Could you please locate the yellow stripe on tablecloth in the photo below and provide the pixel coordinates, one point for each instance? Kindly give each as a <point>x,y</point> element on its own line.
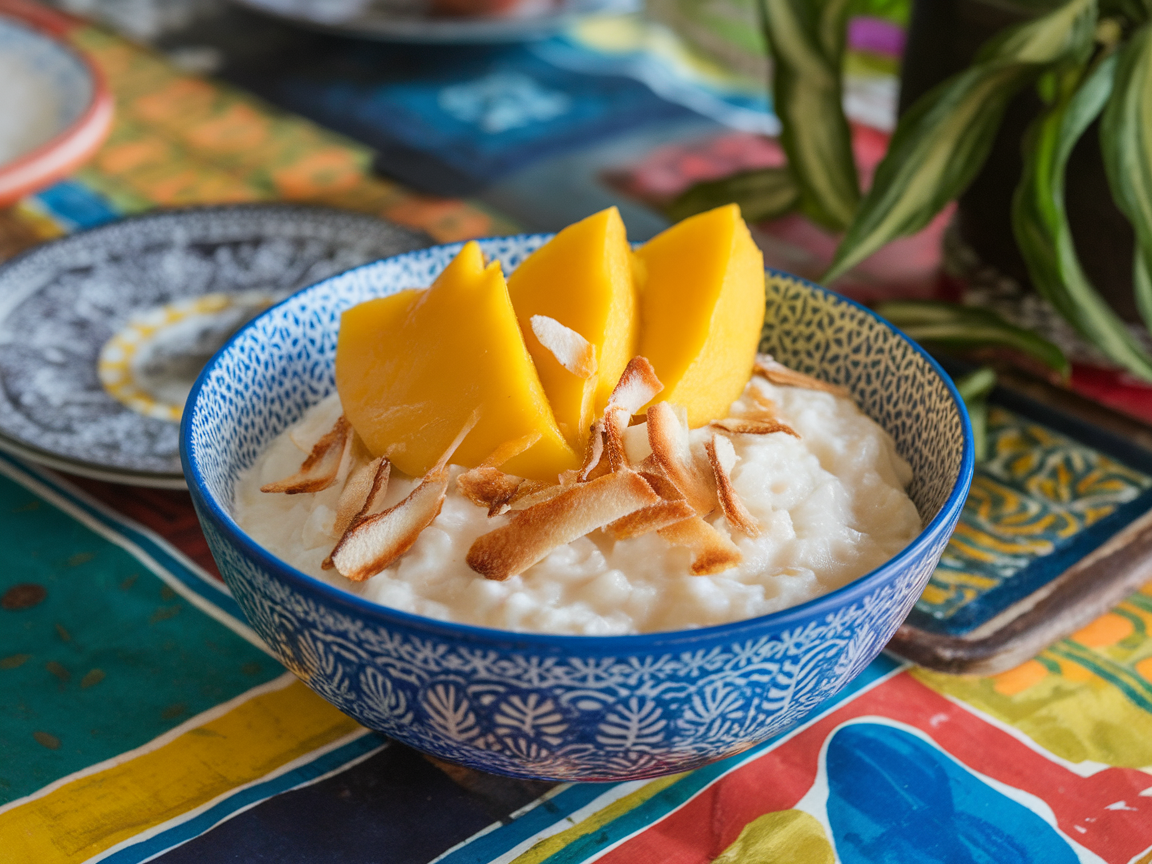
<point>92,813</point>
<point>549,846</point>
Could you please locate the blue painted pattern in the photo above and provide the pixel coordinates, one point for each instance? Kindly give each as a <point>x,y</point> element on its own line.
<point>1039,503</point>
<point>482,111</point>
<point>894,797</point>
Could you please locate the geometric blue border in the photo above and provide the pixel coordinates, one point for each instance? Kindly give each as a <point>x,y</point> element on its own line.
<point>499,842</point>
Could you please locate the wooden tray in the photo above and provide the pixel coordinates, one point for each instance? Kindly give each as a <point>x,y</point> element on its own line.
<point>1084,574</point>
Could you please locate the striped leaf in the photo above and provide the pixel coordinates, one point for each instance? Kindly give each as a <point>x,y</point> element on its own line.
<point>1142,285</point>
<point>942,141</point>
<point>969,327</point>
<point>1040,221</point>
<point>974,389</point>
<point>762,194</point>
<point>1126,141</point>
<point>1135,11</point>
<point>806,41</point>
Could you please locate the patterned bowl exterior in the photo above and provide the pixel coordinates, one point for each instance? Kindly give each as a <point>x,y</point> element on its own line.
<point>569,707</point>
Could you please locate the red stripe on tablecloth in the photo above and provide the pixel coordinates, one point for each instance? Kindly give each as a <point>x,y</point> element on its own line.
<point>709,823</point>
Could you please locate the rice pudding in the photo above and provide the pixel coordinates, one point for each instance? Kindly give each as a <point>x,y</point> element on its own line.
<point>829,504</point>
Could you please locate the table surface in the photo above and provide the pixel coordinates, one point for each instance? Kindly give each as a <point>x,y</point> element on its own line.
<point>140,717</point>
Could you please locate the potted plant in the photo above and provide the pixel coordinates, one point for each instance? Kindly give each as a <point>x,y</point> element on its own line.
<point>1079,60</point>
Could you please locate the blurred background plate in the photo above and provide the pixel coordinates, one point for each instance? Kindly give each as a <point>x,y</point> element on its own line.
<point>55,109</point>
<point>415,20</point>
<point>102,333</point>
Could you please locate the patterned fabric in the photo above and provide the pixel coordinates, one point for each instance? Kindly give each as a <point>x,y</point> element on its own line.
<point>204,750</point>
<point>179,140</point>
<point>1030,514</point>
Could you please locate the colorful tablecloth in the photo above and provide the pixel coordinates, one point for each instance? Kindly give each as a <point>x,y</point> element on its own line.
<point>141,719</point>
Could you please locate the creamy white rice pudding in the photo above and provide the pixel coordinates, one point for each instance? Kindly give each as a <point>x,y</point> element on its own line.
<point>830,505</point>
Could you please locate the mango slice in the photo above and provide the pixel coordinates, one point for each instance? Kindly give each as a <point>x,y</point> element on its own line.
<point>701,311</point>
<point>583,278</point>
<point>411,368</point>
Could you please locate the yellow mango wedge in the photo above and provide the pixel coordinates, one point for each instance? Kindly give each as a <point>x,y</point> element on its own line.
<point>411,369</point>
<point>701,311</point>
<point>583,278</point>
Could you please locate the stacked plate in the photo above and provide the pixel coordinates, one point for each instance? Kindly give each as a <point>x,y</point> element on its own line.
<point>103,333</point>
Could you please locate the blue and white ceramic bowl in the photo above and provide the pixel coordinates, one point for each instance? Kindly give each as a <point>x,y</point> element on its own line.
<point>569,707</point>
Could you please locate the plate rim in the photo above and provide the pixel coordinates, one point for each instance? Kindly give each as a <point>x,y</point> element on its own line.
<point>74,145</point>
<point>23,449</point>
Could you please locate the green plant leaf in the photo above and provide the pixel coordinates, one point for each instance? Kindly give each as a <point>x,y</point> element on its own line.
<point>1040,221</point>
<point>974,389</point>
<point>941,142</point>
<point>1142,286</point>
<point>1126,142</point>
<point>1135,11</point>
<point>806,41</point>
<point>969,327</point>
<point>832,28</point>
<point>762,194</point>
<point>976,385</point>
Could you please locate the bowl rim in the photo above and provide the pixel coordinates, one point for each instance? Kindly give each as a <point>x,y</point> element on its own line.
<point>781,619</point>
<point>70,147</point>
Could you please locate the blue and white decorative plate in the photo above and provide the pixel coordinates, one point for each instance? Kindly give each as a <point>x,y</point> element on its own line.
<point>569,707</point>
<point>103,332</point>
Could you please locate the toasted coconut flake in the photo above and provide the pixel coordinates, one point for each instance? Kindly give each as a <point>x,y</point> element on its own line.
<point>592,453</point>
<point>778,373</point>
<point>322,466</point>
<point>749,426</point>
<point>373,543</point>
<point>713,552</point>
<point>363,496</point>
<point>532,493</point>
<point>486,486</point>
<point>509,449</point>
<point>661,485</point>
<point>354,452</point>
<point>602,468</point>
<point>615,422</point>
<point>571,350</point>
<point>637,386</point>
<point>722,457</point>
<point>650,519</point>
<point>364,492</point>
<point>672,455</point>
<point>489,487</point>
<point>533,533</point>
